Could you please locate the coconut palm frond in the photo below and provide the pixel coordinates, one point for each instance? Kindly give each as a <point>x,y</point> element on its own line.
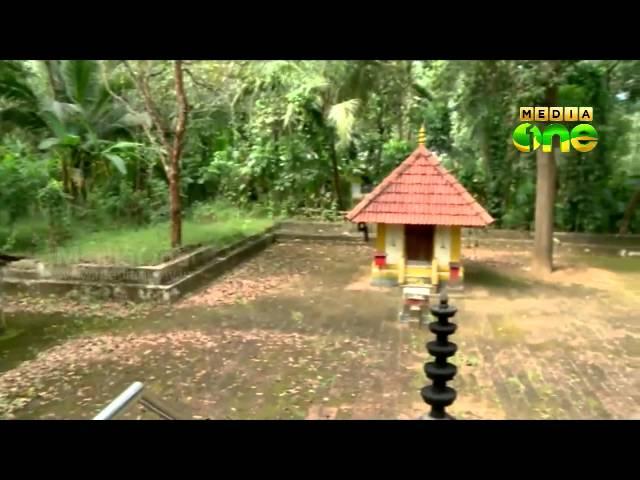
<point>81,80</point>
<point>342,117</point>
<point>13,84</point>
<point>316,82</point>
<point>18,101</point>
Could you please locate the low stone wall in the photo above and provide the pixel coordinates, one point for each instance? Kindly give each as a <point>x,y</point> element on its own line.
<point>482,236</point>
<point>162,274</point>
<point>170,280</point>
<point>164,282</point>
<point>334,238</point>
<point>600,239</point>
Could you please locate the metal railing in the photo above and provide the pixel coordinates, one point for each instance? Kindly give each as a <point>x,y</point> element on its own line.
<point>135,394</point>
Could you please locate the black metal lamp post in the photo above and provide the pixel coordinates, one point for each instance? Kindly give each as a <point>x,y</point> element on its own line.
<point>438,395</point>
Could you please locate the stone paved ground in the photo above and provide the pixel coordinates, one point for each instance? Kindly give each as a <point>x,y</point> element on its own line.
<point>566,347</point>
<point>297,332</point>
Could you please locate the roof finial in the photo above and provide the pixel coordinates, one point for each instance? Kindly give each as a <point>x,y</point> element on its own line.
<point>422,136</point>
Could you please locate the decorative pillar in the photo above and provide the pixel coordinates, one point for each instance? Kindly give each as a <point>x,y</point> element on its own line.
<point>438,395</point>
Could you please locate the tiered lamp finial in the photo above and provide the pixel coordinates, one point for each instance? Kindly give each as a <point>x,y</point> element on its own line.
<point>422,136</point>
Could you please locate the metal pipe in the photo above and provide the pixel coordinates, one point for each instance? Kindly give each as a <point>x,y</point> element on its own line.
<point>157,406</point>
<point>122,402</point>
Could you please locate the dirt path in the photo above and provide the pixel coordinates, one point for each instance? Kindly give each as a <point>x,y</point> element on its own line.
<point>297,332</point>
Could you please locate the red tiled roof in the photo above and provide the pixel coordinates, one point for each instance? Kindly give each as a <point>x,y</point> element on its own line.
<point>420,192</point>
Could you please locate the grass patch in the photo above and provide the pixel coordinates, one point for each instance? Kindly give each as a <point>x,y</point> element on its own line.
<point>28,236</point>
<point>216,224</point>
<point>9,333</point>
<point>614,264</point>
<point>149,245</point>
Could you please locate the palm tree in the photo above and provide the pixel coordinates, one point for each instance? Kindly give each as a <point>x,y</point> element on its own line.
<point>19,104</point>
<point>327,95</point>
<point>77,111</point>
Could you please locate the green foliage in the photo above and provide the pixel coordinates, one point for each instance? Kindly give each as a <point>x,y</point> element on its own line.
<point>272,136</point>
<point>27,236</point>
<point>520,213</point>
<point>393,152</point>
<point>53,202</point>
<point>21,174</point>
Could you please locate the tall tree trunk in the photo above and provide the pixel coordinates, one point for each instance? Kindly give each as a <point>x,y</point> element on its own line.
<point>628,213</point>
<point>545,200</point>
<point>336,173</point>
<point>407,94</point>
<point>382,138</point>
<point>176,154</point>
<point>170,162</point>
<point>56,86</point>
<point>485,151</point>
<point>175,202</point>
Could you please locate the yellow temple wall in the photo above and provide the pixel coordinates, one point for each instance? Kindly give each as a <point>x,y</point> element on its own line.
<point>394,243</point>
<point>456,234</point>
<point>390,239</point>
<point>442,245</point>
<point>380,237</point>
<point>447,243</point>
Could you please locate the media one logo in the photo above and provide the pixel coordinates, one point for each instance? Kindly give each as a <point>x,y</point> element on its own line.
<point>528,137</point>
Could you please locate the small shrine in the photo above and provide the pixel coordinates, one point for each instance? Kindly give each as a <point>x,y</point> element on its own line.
<point>420,210</point>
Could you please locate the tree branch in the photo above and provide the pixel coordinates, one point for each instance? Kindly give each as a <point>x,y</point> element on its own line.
<point>183,107</point>
<point>127,105</point>
<point>198,82</point>
<point>612,66</point>
<point>143,87</point>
